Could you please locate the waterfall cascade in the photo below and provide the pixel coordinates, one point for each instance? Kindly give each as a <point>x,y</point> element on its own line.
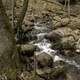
<point>44,47</point>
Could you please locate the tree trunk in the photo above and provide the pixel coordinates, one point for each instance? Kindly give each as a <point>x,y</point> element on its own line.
<point>18,27</point>
<point>7,43</point>
<point>22,13</point>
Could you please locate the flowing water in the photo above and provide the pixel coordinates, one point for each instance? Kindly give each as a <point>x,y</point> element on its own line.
<point>44,47</point>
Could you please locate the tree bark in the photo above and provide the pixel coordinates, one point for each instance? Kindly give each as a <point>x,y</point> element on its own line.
<point>7,43</point>
<point>22,13</point>
<point>20,19</point>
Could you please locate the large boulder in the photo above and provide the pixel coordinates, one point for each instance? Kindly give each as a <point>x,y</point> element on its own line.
<point>28,50</point>
<point>46,69</point>
<point>57,34</point>
<point>52,36</point>
<point>44,63</point>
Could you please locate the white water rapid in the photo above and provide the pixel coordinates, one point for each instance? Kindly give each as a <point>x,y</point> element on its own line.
<point>44,46</point>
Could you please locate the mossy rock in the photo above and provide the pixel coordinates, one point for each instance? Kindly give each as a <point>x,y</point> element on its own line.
<point>53,73</point>
<point>28,50</point>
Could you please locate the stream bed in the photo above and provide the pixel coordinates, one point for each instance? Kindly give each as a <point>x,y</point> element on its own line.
<point>44,46</point>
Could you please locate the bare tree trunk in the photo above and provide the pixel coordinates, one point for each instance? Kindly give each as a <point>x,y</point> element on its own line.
<point>22,13</point>
<point>20,20</point>
<point>7,43</point>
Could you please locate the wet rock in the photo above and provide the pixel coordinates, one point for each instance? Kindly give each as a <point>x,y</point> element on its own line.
<point>52,36</point>
<point>44,60</point>
<point>68,53</point>
<point>44,63</point>
<point>57,46</point>
<point>27,50</point>
<point>57,34</point>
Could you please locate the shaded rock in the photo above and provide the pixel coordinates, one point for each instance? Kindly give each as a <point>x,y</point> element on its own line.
<point>57,34</point>
<point>68,53</point>
<point>72,73</point>
<point>27,50</point>
<point>53,36</point>
<point>28,76</point>
<point>68,42</point>
<point>53,73</point>
<point>71,1</point>
<point>44,63</point>
<point>27,28</point>
<point>44,60</point>
<point>58,73</point>
<point>57,46</point>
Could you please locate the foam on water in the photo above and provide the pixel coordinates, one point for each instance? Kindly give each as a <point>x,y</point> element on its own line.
<point>44,46</point>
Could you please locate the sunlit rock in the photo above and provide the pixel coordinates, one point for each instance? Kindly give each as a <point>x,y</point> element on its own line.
<point>65,21</point>
<point>74,24</point>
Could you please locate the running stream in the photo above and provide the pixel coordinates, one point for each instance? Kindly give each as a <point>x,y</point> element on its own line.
<point>44,47</point>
